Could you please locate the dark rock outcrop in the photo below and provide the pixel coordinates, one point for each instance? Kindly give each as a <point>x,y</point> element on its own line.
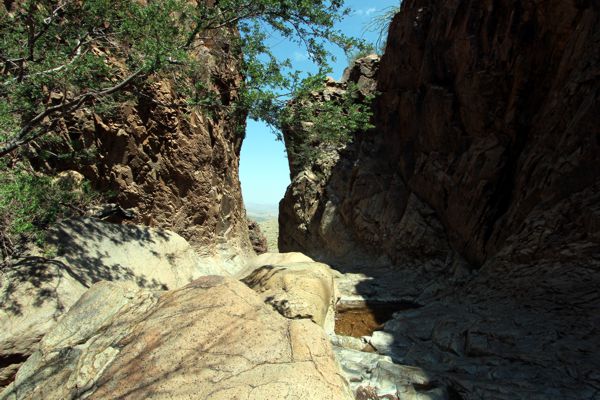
<point>487,129</point>
<point>490,111</point>
<point>257,238</point>
<point>350,207</point>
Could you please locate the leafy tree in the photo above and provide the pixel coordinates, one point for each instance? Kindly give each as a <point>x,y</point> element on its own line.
<point>59,55</point>
<point>29,202</point>
<point>324,121</point>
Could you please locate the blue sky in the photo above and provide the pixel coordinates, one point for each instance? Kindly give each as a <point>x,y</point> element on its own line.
<point>264,172</point>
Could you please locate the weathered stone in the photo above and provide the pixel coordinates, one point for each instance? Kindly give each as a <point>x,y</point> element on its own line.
<point>381,378</point>
<point>212,339</point>
<point>257,238</point>
<point>348,342</point>
<point>280,259</point>
<point>298,291</point>
<point>35,290</point>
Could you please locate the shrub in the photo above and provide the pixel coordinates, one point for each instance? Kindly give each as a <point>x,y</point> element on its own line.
<point>30,202</point>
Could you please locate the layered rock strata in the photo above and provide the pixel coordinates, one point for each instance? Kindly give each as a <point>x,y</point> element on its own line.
<point>174,166</point>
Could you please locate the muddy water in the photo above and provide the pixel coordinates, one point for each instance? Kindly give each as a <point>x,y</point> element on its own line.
<point>362,319</point>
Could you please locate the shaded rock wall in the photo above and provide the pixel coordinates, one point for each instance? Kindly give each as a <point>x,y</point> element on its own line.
<point>350,206</point>
<point>486,128</point>
<point>490,110</point>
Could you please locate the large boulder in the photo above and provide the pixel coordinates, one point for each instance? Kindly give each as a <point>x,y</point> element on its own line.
<point>298,290</point>
<point>272,259</point>
<point>153,258</point>
<point>280,259</point>
<point>36,290</point>
<point>212,339</point>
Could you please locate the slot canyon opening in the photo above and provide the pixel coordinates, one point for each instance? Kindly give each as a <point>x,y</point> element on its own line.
<point>264,177</point>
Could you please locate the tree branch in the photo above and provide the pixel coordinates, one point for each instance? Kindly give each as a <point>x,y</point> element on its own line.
<point>24,136</point>
<point>46,72</point>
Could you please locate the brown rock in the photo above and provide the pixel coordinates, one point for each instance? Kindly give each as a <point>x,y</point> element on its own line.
<point>213,339</point>
<point>350,207</point>
<point>173,165</point>
<point>257,238</point>
<point>480,184</point>
<point>490,111</point>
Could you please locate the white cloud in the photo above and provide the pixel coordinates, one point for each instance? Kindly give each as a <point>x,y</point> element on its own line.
<point>298,56</point>
<point>365,11</point>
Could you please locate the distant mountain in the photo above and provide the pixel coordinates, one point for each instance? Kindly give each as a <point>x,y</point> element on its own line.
<point>261,211</point>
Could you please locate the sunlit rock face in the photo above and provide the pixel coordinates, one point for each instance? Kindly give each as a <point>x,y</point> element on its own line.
<point>214,339</point>
<point>36,291</point>
<point>480,185</point>
<point>172,165</point>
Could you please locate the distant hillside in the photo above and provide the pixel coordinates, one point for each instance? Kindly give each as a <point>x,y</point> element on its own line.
<point>262,212</point>
<point>270,228</point>
<point>266,215</point>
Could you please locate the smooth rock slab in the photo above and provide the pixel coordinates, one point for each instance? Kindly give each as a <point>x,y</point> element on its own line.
<point>298,290</point>
<point>35,291</point>
<point>212,339</point>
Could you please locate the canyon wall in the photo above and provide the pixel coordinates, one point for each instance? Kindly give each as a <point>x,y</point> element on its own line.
<point>170,165</point>
<point>348,205</point>
<point>490,111</point>
<point>175,166</point>
<point>480,185</point>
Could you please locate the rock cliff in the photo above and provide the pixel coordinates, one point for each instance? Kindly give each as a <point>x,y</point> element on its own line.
<point>348,205</point>
<point>162,162</point>
<point>480,186</point>
<point>175,166</point>
<point>489,111</point>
